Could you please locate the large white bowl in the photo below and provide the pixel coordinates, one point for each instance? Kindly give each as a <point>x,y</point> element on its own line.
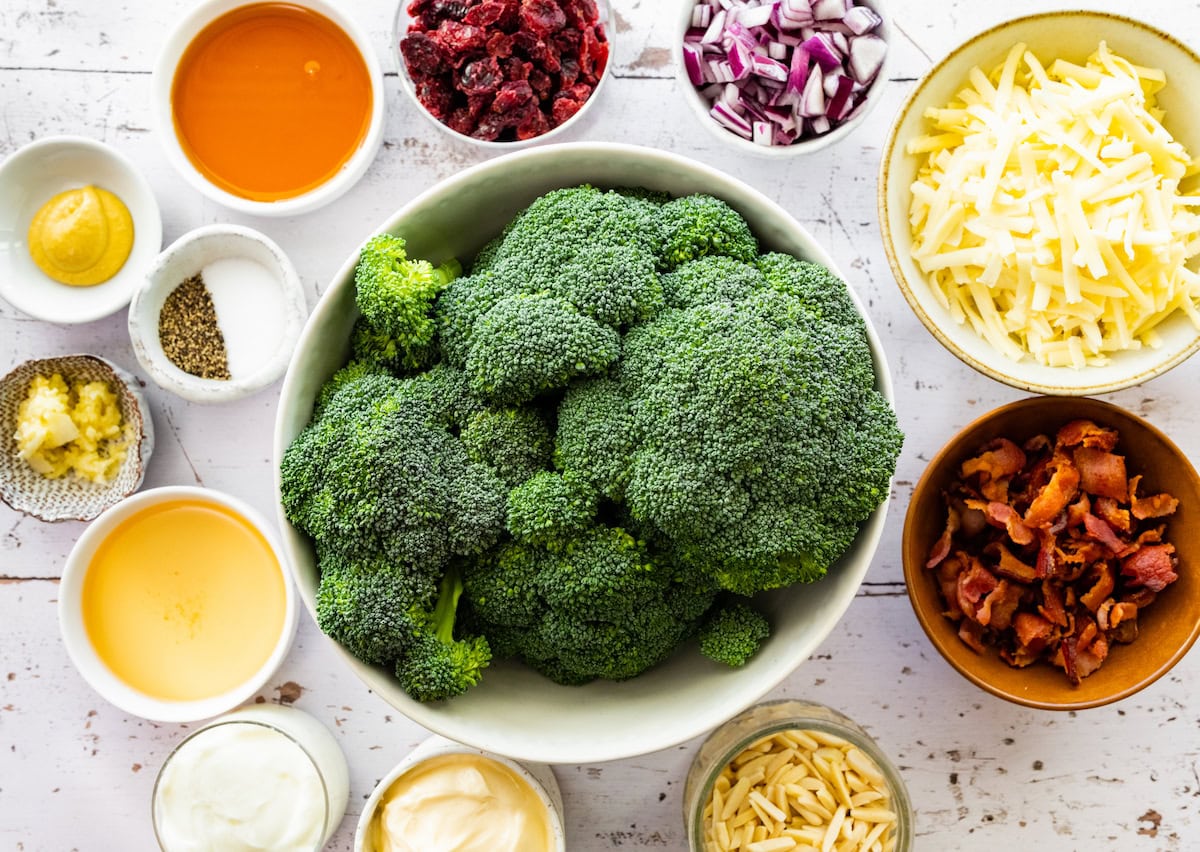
<point>515,711</point>
<point>1072,36</point>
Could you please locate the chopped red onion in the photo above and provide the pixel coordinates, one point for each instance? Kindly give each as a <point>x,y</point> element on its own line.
<point>780,71</point>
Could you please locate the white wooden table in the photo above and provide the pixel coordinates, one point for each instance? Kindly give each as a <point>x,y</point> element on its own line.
<point>75,773</point>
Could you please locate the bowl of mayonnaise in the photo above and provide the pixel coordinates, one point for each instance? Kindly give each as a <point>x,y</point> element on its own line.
<point>262,777</point>
<point>445,795</point>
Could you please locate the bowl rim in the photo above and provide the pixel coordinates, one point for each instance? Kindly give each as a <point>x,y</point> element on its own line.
<point>176,42</point>
<point>145,213</point>
<point>913,574</point>
<point>401,69</point>
<point>539,777</point>
<point>698,108</point>
<point>93,669</point>
<point>889,243</point>
<point>194,388</point>
<point>451,726</point>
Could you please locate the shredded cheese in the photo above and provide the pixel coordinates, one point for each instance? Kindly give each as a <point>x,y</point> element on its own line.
<point>1047,212</point>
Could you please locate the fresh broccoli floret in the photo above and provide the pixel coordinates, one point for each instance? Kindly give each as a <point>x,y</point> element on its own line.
<point>550,508</point>
<point>614,285</point>
<point>371,604</point>
<point>437,666</point>
<point>351,372</point>
<point>711,279</point>
<point>732,634</point>
<point>595,435</point>
<point>699,225</point>
<point>395,295</point>
<point>514,442</point>
<point>459,307</point>
<point>378,472</point>
<point>527,345</point>
<point>602,606</point>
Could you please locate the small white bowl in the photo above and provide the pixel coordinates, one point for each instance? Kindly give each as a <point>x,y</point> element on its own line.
<point>34,175</point>
<point>68,498</point>
<point>1071,35</point>
<point>177,41</point>
<point>97,673</point>
<point>400,28</point>
<point>700,107</point>
<point>538,776</point>
<point>186,257</point>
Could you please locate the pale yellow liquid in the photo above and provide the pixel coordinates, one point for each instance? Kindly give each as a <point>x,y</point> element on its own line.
<point>184,600</point>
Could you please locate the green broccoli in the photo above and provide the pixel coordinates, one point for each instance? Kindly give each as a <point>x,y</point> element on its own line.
<point>699,225</point>
<point>527,345</point>
<point>514,442</point>
<point>549,508</point>
<point>714,278</point>
<point>354,370</point>
<point>614,285</point>
<point>595,436</point>
<point>395,295</point>
<point>437,666</point>
<point>732,634</point>
<point>378,472</point>
<point>601,606</point>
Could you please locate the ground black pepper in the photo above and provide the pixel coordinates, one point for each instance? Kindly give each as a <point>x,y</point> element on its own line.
<point>189,334</point>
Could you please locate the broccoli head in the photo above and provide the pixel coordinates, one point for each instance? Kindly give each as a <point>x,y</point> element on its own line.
<point>378,471</point>
<point>698,225</point>
<point>595,435</point>
<point>550,507</point>
<point>514,442</point>
<point>732,634</point>
<point>395,295</point>
<point>436,665</point>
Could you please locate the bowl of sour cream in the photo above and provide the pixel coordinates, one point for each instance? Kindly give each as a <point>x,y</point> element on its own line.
<point>445,795</point>
<point>262,777</point>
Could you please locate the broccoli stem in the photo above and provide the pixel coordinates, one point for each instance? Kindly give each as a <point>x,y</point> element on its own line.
<point>447,605</point>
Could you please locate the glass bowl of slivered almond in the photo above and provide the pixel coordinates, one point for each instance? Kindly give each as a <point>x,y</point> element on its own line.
<point>1040,206</point>
<point>795,775</point>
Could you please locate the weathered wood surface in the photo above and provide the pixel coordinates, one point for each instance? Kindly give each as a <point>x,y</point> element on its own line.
<point>76,773</point>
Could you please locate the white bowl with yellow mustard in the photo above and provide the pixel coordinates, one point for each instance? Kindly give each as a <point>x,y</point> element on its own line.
<point>1038,199</point>
<point>78,225</point>
<point>176,604</point>
<point>445,795</point>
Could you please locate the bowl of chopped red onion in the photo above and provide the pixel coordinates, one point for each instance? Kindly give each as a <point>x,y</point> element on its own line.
<point>777,77</point>
<point>502,75</point>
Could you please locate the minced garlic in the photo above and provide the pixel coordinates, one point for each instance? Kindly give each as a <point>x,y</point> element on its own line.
<point>80,429</point>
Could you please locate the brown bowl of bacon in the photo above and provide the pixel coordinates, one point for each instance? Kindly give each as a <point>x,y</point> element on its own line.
<point>1052,553</point>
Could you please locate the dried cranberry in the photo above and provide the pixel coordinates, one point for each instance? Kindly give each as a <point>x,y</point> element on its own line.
<point>535,124</point>
<point>458,38</point>
<point>593,56</point>
<point>542,17</point>
<point>500,45</point>
<point>512,97</point>
<point>480,76</point>
<point>564,108</point>
<point>569,72</point>
<point>525,41</point>
<point>435,95</point>
<point>541,82</point>
<point>461,121</point>
<point>567,41</point>
<point>423,55</point>
<point>581,13</point>
<point>477,105</point>
<point>490,128</point>
<point>485,14</point>
<point>515,68</point>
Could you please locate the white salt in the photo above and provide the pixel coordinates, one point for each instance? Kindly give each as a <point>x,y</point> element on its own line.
<point>248,300</point>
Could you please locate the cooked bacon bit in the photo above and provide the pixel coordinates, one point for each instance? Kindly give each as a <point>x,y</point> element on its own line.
<point>1046,554</point>
<point>1151,566</point>
<point>1109,511</point>
<point>1105,583</point>
<point>942,548</point>
<point>1104,534</point>
<point>997,463</point>
<point>1008,565</point>
<point>1158,506</point>
<point>1102,473</point>
<point>972,634</point>
<point>1004,517</point>
<point>1057,493</point>
<point>1087,434</point>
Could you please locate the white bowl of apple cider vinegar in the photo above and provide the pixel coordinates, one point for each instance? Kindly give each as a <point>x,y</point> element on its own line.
<point>176,604</point>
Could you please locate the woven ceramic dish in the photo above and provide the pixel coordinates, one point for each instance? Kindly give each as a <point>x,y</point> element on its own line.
<point>69,498</point>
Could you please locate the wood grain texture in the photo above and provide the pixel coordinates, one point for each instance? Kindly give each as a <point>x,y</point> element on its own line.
<point>76,773</point>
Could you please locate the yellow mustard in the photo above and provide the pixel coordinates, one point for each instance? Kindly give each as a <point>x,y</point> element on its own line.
<point>82,236</point>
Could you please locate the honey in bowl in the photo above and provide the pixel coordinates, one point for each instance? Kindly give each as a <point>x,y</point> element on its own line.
<point>184,600</point>
<point>271,100</point>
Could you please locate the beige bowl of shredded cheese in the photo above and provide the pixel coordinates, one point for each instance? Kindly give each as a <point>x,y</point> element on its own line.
<point>1040,205</point>
<point>76,435</point>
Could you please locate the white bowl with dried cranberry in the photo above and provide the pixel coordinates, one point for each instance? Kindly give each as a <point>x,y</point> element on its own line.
<point>459,62</point>
<point>782,77</point>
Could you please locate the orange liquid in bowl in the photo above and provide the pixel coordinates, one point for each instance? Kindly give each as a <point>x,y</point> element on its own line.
<point>184,600</point>
<point>270,100</point>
